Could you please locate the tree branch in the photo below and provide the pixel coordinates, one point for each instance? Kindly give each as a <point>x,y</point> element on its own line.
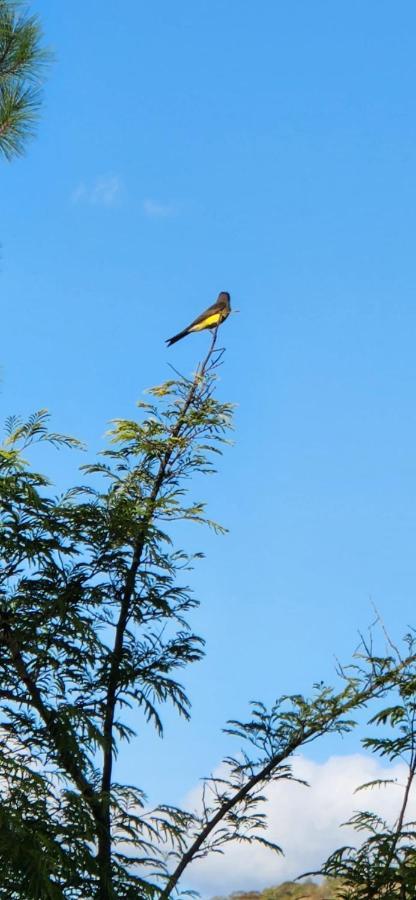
<point>303,736</point>
<point>64,757</point>
<point>104,852</point>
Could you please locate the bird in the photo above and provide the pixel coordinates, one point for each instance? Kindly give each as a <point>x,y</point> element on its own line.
<point>210,318</point>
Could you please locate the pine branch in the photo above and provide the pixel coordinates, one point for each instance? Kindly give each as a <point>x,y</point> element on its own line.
<point>22,63</point>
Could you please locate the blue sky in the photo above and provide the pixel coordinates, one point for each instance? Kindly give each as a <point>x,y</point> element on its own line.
<point>269,150</point>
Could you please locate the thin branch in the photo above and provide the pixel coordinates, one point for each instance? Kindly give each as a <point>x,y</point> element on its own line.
<point>104,852</point>
<point>180,374</point>
<point>389,640</point>
<point>400,820</point>
<point>64,757</point>
<point>303,736</point>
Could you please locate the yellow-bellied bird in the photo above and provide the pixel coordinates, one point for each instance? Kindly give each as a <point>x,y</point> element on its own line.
<point>211,318</point>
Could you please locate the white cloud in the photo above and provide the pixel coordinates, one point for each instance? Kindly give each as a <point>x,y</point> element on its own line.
<point>156,210</point>
<point>304,821</point>
<point>103,191</point>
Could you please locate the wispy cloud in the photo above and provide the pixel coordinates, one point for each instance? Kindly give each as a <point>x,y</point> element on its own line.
<point>155,210</point>
<point>304,821</point>
<point>103,191</point>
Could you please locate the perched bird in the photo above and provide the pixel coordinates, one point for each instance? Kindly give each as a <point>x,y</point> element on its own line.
<point>211,318</point>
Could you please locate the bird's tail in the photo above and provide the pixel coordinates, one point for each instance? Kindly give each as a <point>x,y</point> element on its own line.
<point>177,337</point>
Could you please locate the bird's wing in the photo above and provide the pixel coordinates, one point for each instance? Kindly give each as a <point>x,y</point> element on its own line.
<point>210,311</point>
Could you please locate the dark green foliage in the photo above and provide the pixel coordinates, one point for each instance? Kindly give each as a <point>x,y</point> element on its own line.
<point>232,804</point>
<point>94,607</point>
<point>93,619</point>
<point>384,866</point>
<point>22,63</point>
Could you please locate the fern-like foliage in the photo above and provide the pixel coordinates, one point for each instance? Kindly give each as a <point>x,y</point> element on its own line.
<point>94,622</point>
<point>383,865</point>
